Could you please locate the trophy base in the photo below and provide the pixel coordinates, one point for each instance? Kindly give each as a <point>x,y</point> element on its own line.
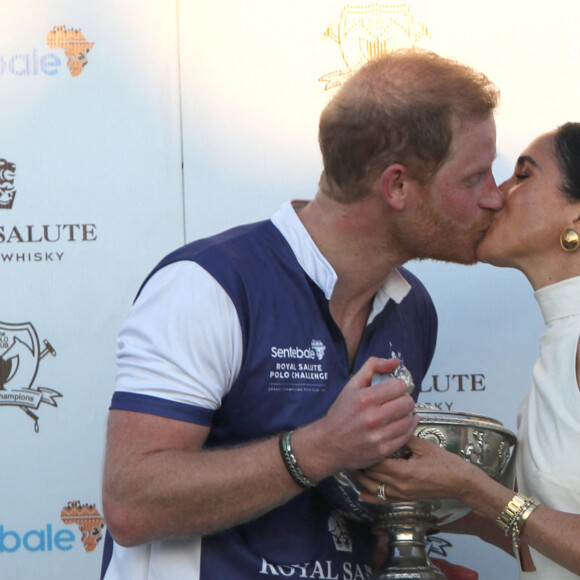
<point>405,524</point>
<point>416,573</point>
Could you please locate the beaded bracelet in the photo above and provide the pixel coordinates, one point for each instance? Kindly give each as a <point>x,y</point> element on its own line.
<point>514,516</point>
<point>290,461</point>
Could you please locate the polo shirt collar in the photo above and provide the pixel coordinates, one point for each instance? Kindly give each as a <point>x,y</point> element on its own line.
<point>319,269</point>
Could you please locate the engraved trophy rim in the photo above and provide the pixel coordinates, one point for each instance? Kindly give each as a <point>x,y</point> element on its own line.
<point>432,414</point>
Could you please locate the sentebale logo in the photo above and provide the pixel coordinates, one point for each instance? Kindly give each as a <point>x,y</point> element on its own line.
<point>76,47</point>
<point>49,538</point>
<point>36,61</point>
<point>89,521</point>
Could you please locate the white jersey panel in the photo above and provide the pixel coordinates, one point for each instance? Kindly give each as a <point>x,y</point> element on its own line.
<point>169,560</point>
<point>181,307</point>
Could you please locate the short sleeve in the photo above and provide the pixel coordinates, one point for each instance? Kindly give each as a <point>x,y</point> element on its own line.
<point>180,347</point>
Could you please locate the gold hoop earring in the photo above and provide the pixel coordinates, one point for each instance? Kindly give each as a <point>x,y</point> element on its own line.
<point>570,240</point>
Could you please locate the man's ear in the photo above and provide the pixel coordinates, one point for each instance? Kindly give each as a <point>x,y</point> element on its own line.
<point>395,186</point>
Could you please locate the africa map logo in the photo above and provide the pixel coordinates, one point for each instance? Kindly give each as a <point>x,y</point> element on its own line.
<point>89,521</point>
<point>85,518</point>
<point>75,46</point>
<point>36,61</point>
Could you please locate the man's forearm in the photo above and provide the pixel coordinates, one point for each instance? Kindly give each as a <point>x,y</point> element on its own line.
<point>184,493</point>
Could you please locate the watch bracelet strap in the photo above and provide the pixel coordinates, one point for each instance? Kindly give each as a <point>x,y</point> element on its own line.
<point>508,516</point>
<point>513,518</point>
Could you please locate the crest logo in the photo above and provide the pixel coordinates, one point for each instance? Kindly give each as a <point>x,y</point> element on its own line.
<point>318,347</point>
<point>89,521</point>
<point>339,532</point>
<point>364,32</point>
<point>20,356</point>
<point>75,46</point>
<point>7,188</point>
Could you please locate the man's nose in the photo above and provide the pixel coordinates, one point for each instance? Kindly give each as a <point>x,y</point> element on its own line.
<point>505,187</point>
<point>493,197</point>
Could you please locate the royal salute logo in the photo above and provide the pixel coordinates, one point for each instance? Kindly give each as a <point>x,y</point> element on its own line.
<point>364,32</point>
<point>75,46</point>
<point>20,358</point>
<point>440,389</point>
<point>89,521</point>
<point>7,187</point>
<point>21,244</point>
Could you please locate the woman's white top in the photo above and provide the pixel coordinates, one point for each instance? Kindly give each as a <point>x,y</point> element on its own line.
<point>548,458</point>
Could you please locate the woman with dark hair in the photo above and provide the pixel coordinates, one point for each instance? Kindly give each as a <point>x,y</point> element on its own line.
<point>537,232</point>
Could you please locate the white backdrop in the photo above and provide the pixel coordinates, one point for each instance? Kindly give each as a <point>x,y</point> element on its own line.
<point>190,117</point>
<point>101,149</point>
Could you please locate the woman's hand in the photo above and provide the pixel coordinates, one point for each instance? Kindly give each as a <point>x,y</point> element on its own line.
<point>430,472</point>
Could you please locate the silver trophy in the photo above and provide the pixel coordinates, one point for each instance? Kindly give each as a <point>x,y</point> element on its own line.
<point>480,440</point>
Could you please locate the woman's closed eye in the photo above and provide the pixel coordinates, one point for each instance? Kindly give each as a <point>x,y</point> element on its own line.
<point>521,177</point>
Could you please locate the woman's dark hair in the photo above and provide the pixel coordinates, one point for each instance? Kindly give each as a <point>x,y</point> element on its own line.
<point>567,152</point>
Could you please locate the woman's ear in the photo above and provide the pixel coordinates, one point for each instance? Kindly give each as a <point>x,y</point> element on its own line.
<point>395,186</point>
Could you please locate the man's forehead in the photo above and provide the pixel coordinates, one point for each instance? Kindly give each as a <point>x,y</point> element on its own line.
<point>475,139</point>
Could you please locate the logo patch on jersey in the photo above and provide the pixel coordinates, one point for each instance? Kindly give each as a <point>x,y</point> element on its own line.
<point>339,531</point>
<point>298,368</point>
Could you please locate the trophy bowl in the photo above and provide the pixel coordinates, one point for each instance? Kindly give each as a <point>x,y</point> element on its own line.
<point>480,440</point>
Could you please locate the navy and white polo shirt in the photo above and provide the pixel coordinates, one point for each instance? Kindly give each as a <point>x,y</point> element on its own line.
<point>235,332</point>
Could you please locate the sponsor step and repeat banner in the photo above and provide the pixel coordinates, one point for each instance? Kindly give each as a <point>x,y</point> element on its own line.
<point>129,128</point>
<point>90,198</point>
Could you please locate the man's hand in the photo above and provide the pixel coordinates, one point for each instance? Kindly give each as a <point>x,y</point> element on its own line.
<point>364,425</point>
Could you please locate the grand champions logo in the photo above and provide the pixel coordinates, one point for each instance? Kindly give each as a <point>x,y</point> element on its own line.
<point>20,357</point>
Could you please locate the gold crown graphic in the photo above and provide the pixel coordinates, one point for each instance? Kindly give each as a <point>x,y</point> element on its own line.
<point>364,32</point>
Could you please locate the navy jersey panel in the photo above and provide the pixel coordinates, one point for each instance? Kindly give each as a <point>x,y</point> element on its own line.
<point>304,539</point>
<point>295,357</point>
<point>295,363</point>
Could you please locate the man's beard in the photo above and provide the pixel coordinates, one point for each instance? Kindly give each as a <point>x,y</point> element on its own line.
<point>431,234</point>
